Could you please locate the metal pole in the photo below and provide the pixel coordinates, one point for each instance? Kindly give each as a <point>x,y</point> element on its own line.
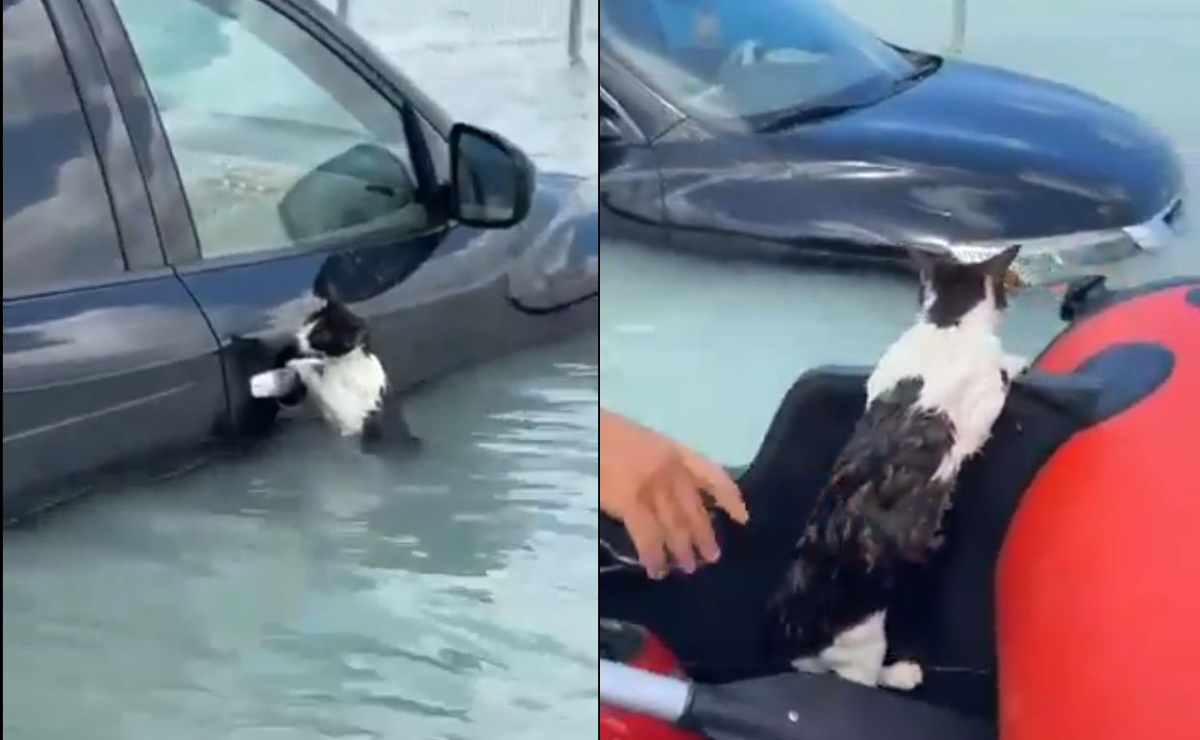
<point>958,30</point>
<point>575,32</point>
<point>343,10</point>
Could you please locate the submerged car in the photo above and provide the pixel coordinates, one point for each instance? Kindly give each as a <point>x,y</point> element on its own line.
<point>185,180</point>
<point>781,128</point>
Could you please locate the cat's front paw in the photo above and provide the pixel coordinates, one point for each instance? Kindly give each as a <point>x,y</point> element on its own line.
<point>306,367</point>
<point>811,664</point>
<point>903,675</point>
<point>857,674</point>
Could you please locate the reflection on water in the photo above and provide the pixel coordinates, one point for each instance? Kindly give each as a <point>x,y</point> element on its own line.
<point>311,591</point>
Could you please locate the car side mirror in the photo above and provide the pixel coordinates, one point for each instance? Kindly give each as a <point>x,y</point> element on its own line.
<point>492,180</point>
<point>610,131</point>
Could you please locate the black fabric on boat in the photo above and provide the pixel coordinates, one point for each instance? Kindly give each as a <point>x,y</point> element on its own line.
<point>1142,368</point>
<point>621,641</point>
<point>796,706</point>
<point>713,620</point>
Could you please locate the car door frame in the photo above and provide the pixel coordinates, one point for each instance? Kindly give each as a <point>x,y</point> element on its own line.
<point>186,385</point>
<point>422,121</point>
<point>180,237</point>
<point>461,290</point>
<point>120,166</point>
<point>652,114</point>
<point>629,212</point>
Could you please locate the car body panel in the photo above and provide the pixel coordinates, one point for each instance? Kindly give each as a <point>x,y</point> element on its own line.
<point>650,114</point>
<point>558,263</point>
<point>630,184</point>
<point>432,307</point>
<point>91,366</point>
<point>968,154</point>
<point>432,302</point>
<point>95,376</point>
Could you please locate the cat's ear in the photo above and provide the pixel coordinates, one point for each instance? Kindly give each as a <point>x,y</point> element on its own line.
<point>922,259</point>
<point>998,264</point>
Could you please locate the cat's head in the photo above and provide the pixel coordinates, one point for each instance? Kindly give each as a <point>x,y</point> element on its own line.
<point>951,289</point>
<point>331,331</point>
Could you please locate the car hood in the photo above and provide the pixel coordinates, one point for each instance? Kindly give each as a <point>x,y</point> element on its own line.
<point>975,152</point>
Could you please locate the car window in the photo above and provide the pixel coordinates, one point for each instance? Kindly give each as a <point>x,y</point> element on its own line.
<point>58,221</point>
<point>439,150</point>
<point>742,60</point>
<point>277,140</point>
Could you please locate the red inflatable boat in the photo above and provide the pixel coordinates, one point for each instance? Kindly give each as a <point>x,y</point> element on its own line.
<point>1063,606</point>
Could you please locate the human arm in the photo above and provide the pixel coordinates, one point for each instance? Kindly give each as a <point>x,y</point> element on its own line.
<point>655,486</point>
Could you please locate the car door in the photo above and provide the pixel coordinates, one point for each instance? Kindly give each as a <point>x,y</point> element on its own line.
<point>308,175</point>
<point>101,340</point>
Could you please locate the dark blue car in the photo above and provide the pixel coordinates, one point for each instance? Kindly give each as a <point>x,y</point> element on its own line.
<point>184,180</point>
<point>782,129</point>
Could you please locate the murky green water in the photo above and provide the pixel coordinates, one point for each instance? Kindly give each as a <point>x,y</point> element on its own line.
<point>310,592</point>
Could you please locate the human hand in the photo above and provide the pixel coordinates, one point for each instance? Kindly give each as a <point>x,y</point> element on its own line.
<point>655,486</point>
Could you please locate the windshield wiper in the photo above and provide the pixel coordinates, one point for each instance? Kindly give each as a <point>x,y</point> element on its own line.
<point>802,115</point>
<point>926,66</point>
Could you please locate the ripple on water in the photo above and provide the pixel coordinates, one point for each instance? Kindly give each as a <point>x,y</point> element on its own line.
<point>309,591</point>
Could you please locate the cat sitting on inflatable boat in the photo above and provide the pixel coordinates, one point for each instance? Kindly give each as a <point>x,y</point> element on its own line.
<point>932,400</point>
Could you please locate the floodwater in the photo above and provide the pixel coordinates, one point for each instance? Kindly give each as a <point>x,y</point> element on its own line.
<point>728,340</point>
<point>308,592</point>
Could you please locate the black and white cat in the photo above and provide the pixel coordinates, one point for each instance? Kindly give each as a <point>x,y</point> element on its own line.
<point>932,400</point>
<point>332,358</point>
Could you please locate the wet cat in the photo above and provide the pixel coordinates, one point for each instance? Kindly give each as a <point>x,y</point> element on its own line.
<point>932,400</point>
<point>332,357</point>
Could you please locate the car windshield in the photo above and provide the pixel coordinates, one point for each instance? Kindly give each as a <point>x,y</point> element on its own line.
<point>751,61</point>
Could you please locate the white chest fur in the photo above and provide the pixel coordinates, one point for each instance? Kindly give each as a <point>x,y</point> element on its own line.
<point>347,389</point>
<point>962,369</point>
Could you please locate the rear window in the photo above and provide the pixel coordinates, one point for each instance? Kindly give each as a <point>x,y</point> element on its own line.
<point>58,222</point>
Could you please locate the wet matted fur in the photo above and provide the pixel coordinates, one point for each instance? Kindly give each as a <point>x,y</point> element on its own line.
<point>931,403</point>
<point>345,378</point>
